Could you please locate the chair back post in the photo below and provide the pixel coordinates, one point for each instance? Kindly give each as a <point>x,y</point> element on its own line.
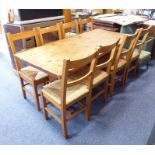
<point>92,23</point>
<point>92,69</point>
<point>35,32</point>
<point>111,59</point>
<point>119,51</point>
<point>40,35</point>
<point>64,83</point>
<point>59,30</point>
<point>13,50</point>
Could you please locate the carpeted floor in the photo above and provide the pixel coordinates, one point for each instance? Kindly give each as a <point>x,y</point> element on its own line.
<point>127,118</point>
<point>151,140</point>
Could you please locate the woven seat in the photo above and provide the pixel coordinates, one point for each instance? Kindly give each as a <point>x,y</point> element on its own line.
<point>52,91</point>
<point>32,73</point>
<point>144,58</point>
<point>135,54</point>
<point>121,64</point>
<point>99,76</point>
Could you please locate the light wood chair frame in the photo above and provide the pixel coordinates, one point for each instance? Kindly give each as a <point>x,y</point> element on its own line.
<point>115,65</point>
<point>68,26</point>
<point>121,52</point>
<point>50,29</point>
<point>23,80</point>
<point>139,45</point>
<point>68,67</point>
<point>88,20</point>
<point>106,66</point>
<point>129,52</point>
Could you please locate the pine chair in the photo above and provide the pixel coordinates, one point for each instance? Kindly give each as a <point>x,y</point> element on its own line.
<point>121,60</point>
<point>102,70</point>
<point>66,92</point>
<point>27,75</point>
<point>128,53</point>
<point>119,65</point>
<point>88,21</point>
<point>69,29</point>
<point>51,29</point>
<point>138,50</point>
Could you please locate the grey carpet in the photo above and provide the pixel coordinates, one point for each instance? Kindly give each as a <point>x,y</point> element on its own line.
<point>127,117</point>
<point>151,140</point>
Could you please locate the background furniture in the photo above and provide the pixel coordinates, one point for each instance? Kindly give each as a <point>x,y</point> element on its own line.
<point>113,22</point>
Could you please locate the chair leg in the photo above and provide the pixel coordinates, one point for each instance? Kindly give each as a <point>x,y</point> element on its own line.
<point>106,89</point>
<point>136,68</point>
<point>123,78</point>
<point>22,86</point>
<point>36,96</point>
<point>64,124</point>
<point>147,65</point>
<point>112,85</point>
<point>88,106</point>
<point>44,106</point>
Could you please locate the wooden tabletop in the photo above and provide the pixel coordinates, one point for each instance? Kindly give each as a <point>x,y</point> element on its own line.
<point>49,57</point>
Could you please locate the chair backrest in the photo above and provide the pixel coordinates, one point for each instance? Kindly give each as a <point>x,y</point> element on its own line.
<point>12,38</point>
<point>71,66</point>
<point>68,27</point>
<point>119,50</point>
<point>51,29</point>
<point>106,56</point>
<point>143,37</point>
<point>88,21</point>
<point>131,40</point>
